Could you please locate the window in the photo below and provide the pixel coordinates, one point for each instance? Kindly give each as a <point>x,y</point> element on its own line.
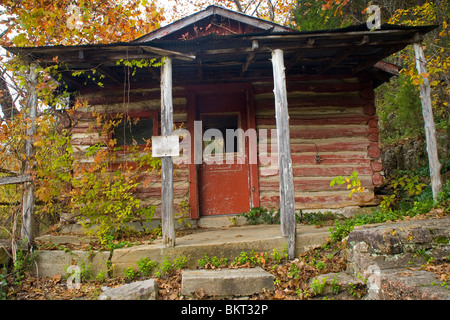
<point>220,123</point>
<point>137,130</point>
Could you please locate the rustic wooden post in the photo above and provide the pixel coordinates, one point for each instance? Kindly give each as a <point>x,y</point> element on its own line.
<point>430,129</point>
<point>28,206</point>
<point>287,201</point>
<point>167,213</point>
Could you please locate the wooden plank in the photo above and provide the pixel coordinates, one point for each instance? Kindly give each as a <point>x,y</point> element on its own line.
<point>323,87</point>
<point>338,132</point>
<point>311,184</point>
<point>14,180</point>
<point>28,205</point>
<point>331,145</point>
<point>253,168</point>
<point>330,171</point>
<point>287,203</point>
<point>430,128</point>
<point>167,202</point>
<point>322,200</point>
<point>319,120</point>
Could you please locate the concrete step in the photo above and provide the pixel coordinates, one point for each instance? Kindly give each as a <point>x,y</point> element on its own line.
<point>226,282</point>
<point>220,242</point>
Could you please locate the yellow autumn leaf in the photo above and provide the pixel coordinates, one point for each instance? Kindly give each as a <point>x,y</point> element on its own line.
<point>38,143</point>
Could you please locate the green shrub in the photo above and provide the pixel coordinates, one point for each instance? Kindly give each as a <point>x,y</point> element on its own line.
<point>260,215</point>
<point>167,267</point>
<point>146,266</point>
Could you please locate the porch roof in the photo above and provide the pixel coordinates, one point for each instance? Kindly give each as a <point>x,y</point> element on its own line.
<point>235,57</point>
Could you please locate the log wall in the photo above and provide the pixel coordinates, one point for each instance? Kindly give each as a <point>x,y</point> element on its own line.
<point>86,133</point>
<point>336,117</point>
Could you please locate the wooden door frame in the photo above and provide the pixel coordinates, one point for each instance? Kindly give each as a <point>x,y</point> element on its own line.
<point>191,92</point>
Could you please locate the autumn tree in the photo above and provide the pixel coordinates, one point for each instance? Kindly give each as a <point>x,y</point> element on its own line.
<point>68,22</point>
<point>312,15</point>
<point>35,145</point>
<point>273,10</point>
<point>436,48</point>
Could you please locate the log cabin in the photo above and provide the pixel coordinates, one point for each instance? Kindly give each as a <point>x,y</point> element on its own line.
<point>308,96</point>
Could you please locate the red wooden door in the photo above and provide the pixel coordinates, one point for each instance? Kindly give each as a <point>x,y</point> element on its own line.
<point>223,176</point>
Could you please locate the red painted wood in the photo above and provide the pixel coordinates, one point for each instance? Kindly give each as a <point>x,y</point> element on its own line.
<point>331,171</point>
<point>321,201</point>
<point>328,158</point>
<point>312,184</point>
<point>223,188</point>
<point>315,120</point>
<point>377,179</point>
<point>338,132</point>
<point>373,150</point>
<point>330,147</point>
<point>312,87</point>
<point>268,103</point>
<point>376,166</point>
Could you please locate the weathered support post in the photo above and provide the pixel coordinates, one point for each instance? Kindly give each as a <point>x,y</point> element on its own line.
<point>287,201</point>
<point>430,128</point>
<point>167,213</point>
<point>28,206</point>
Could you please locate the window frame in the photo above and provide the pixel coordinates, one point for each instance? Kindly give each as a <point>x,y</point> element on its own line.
<point>142,115</point>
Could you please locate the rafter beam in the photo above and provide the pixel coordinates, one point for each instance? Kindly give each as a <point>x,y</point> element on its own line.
<point>336,60</point>
<point>385,52</point>
<point>248,62</point>
<point>109,74</point>
<point>295,60</point>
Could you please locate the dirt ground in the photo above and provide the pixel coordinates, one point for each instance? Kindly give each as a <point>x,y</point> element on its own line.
<point>291,279</point>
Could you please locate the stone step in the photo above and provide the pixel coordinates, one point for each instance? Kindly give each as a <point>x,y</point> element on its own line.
<point>221,242</point>
<point>226,282</point>
<point>334,283</point>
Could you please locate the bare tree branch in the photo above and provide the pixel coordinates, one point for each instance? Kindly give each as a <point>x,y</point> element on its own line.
<point>6,102</point>
<point>238,5</point>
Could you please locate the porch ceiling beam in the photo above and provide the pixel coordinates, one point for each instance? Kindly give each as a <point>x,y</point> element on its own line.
<point>336,60</point>
<point>102,54</point>
<point>200,68</point>
<point>71,81</point>
<point>333,35</point>
<point>287,200</point>
<point>291,46</point>
<point>168,53</point>
<point>248,62</point>
<point>107,72</point>
<point>295,60</point>
<point>343,56</point>
<point>385,52</point>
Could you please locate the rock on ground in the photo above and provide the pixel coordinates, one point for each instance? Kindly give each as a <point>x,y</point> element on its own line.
<point>386,256</point>
<point>410,285</point>
<point>140,290</point>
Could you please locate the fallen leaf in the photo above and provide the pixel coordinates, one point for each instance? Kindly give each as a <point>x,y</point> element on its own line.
<point>56,278</point>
